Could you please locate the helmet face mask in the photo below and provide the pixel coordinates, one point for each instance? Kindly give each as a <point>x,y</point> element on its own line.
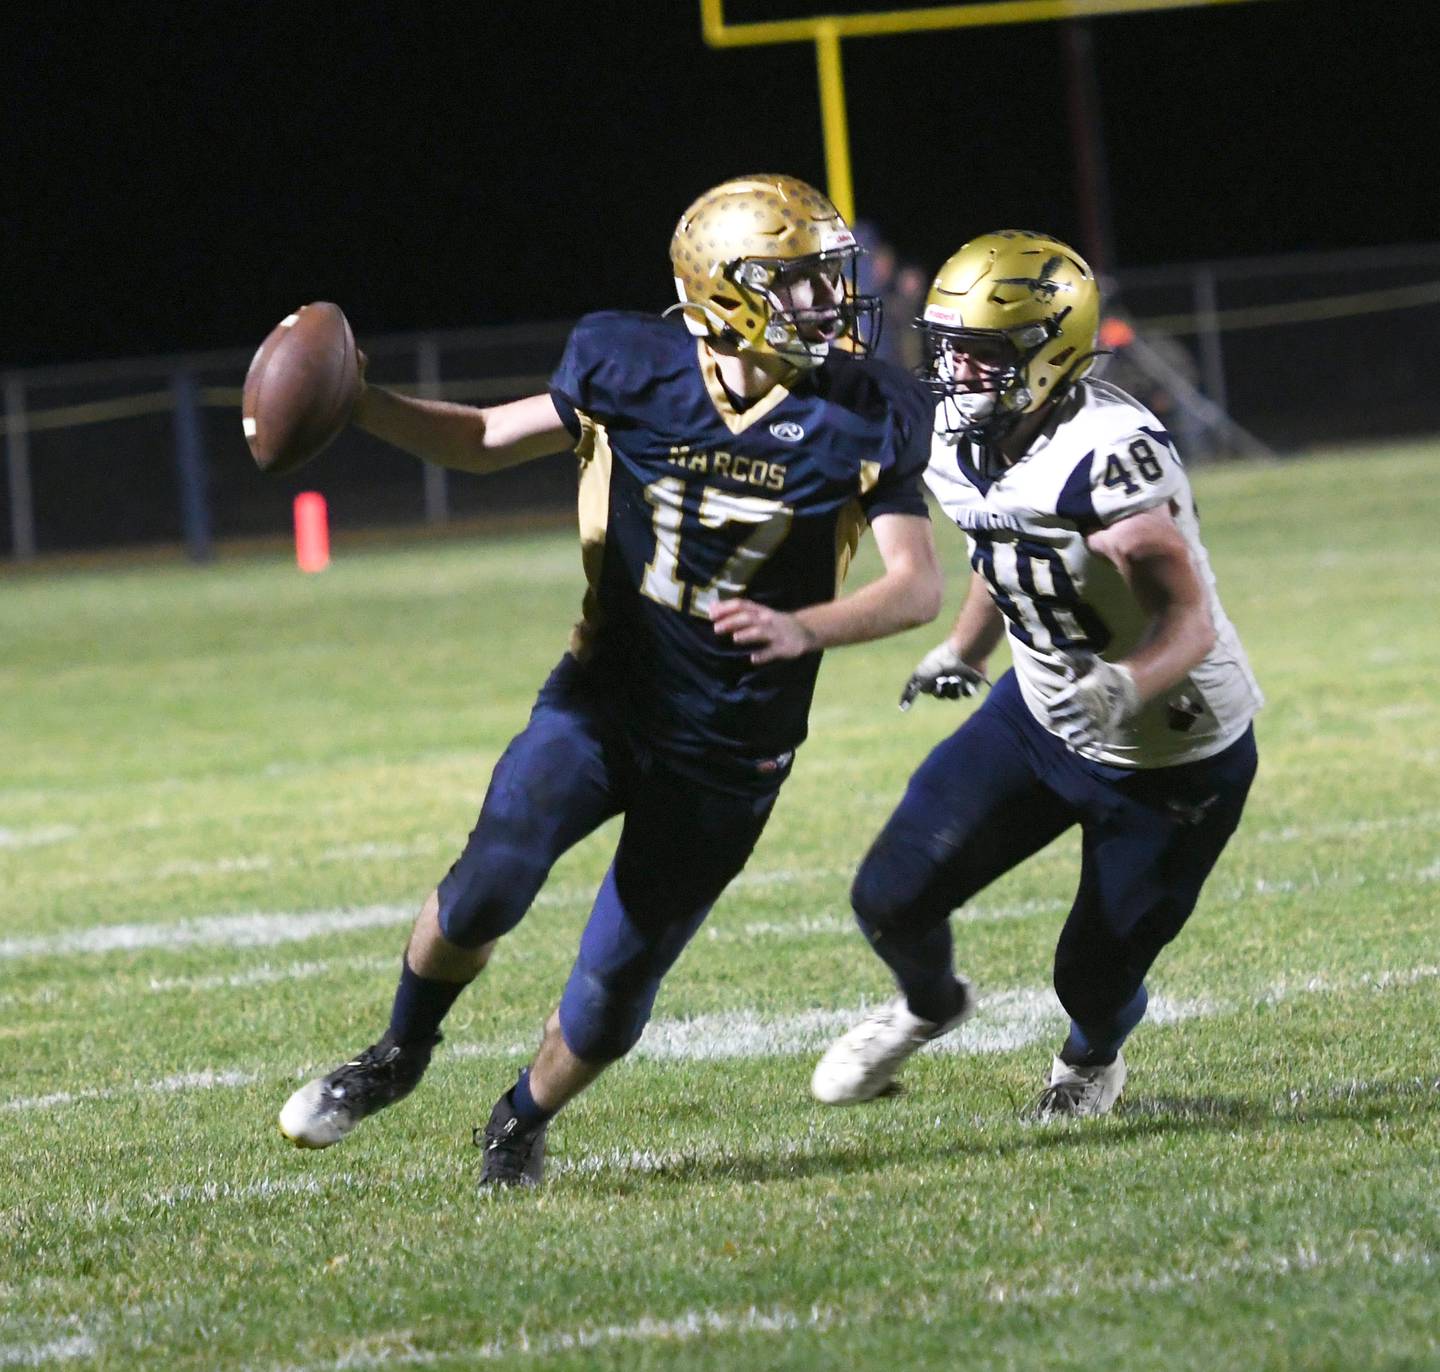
<point>765,265</point>
<point>979,375</point>
<point>813,302</point>
<point>1009,325</point>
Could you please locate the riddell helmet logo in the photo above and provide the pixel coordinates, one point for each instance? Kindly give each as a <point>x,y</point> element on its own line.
<point>787,431</point>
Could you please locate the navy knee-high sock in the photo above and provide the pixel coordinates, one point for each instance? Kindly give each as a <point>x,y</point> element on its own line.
<point>923,964</point>
<point>1096,1045</point>
<point>420,1005</point>
<point>529,1110</point>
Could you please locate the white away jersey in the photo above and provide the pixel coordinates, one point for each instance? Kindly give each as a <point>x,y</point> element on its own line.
<point>1105,456</point>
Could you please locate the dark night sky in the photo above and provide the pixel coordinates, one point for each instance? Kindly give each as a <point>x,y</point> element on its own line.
<point>178,176</point>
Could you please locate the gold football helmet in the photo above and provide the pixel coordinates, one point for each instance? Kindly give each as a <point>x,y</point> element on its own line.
<point>1009,324</point>
<point>766,264</point>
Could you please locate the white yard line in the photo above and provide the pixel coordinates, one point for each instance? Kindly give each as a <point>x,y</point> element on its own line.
<point>225,931</point>
<point>265,929</point>
<point>204,1080</point>
<point>1006,1021</point>
<point>209,867</point>
<point>38,1354</point>
<point>1304,1257</point>
<point>1237,891</point>
<point>266,974</point>
<point>398,1348</point>
<point>250,930</point>
<point>212,1192</point>
<point>37,838</point>
<point>255,930</point>
<point>719,930</point>
<point>263,862</point>
<point>761,878</point>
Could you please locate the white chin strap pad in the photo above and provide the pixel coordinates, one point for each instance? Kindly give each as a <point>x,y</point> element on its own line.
<point>693,326</point>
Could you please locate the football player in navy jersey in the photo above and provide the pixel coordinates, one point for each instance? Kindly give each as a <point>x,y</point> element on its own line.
<point>1128,710</point>
<point>727,468</point>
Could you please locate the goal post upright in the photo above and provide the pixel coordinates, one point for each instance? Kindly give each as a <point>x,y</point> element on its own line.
<point>833,120</point>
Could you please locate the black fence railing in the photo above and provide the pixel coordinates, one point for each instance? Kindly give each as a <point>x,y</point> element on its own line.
<point>1299,351</point>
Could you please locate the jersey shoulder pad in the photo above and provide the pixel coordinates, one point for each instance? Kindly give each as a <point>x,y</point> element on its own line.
<point>1129,462</point>
<point>886,395</point>
<point>614,356</point>
<point>867,386</point>
<point>912,400</point>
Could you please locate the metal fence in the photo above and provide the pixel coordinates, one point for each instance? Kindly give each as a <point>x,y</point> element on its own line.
<point>1300,351</point>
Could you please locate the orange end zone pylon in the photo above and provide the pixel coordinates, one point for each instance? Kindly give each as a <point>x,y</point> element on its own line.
<point>312,532</point>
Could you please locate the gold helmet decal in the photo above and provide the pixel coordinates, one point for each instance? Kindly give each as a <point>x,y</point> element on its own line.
<point>735,249</point>
<point>1024,305</point>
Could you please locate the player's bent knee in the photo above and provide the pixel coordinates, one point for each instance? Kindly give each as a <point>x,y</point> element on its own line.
<point>602,1021</point>
<point>887,891</point>
<point>479,905</point>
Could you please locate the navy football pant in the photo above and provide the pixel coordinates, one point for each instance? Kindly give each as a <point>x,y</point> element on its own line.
<point>1002,787</point>
<point>569,770</point>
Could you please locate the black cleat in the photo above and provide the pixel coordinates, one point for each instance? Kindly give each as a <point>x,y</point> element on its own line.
<point>323,1111</point>
<point>514,1154</point>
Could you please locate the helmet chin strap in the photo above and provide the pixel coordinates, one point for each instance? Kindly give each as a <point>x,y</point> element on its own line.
<point>706,326</point>
<point>800,355</point>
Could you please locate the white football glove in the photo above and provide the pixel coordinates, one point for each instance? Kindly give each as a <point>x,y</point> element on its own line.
<point>1099,698</point>
<point>943,674</point>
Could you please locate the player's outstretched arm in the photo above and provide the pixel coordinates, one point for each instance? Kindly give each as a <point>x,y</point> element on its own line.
<point>907,594</point>
<point>1151,553</point>
<point>464,437</point>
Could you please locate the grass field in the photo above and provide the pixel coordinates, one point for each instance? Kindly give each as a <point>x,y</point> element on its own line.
<point>223,793</point>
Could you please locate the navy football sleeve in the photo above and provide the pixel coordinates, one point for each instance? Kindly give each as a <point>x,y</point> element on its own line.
<point>608,357</point>
<point>572,384</point>
<point>898,489</point>
<point>568,416</point>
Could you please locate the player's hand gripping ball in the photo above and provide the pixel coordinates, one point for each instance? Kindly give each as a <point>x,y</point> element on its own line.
<point>301,387</point>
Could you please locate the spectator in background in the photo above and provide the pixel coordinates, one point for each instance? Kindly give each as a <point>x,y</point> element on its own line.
<point>900,287</point>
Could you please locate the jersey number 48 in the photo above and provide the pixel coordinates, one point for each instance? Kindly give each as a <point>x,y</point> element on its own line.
<point>1147,464</point>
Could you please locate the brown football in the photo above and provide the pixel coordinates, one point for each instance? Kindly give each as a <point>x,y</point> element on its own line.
<point>301,387</point>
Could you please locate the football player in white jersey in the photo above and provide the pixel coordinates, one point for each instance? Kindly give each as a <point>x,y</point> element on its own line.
<point>1128,708</point>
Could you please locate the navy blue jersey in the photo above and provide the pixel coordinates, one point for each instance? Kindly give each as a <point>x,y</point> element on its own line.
<point>683,501</point>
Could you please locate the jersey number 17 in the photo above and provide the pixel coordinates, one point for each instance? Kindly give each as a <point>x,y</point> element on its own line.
<point>769,522</point>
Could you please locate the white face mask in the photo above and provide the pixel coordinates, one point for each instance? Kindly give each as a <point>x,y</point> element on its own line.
<point>975,406</point>
<point>960,412</point>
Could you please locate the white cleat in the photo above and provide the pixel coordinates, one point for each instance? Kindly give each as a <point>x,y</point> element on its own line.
<point>323,1111</point>
<point>1078,1092</point>
<point>861,1064</point>
<point>311,1118</point>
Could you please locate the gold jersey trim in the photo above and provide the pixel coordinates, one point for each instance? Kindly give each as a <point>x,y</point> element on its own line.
<point>850,524</point>
<point>737,421</point>
<point>593,451</point>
